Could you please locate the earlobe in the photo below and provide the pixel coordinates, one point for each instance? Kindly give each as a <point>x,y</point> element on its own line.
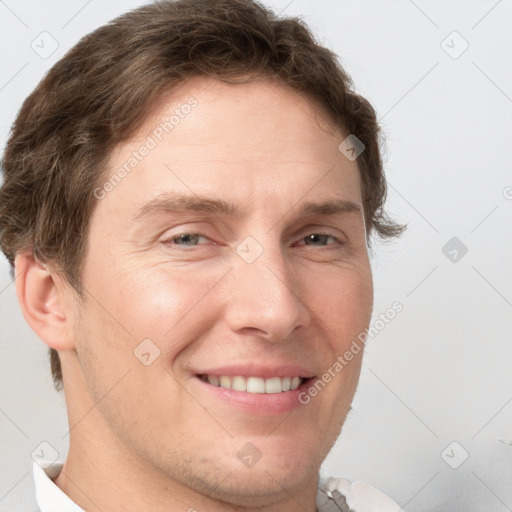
<point>42,303</point>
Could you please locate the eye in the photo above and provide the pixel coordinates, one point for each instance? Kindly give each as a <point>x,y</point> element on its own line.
<point>320,239</point>
<point>185,240</point>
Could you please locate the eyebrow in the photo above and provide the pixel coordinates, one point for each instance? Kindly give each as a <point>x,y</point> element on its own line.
<point>178,203</point>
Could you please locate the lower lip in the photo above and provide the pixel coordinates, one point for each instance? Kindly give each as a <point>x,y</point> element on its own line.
<point>268,404</point>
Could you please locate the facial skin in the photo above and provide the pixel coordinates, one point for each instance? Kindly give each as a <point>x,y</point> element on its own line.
<point>155,437</point>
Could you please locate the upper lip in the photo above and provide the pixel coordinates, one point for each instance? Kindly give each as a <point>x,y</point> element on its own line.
<point>259,370</point>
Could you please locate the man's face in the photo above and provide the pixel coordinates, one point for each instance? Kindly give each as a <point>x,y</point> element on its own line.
<point>271,286</point>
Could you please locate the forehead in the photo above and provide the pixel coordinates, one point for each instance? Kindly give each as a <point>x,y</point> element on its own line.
<point>245,141</point>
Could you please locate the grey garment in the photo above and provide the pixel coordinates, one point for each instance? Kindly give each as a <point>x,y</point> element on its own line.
<point>331,501</point>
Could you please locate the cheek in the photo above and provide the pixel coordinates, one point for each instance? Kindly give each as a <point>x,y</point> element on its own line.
<point>166,305</point>
<point>123,311</point>
<point>344,303</point>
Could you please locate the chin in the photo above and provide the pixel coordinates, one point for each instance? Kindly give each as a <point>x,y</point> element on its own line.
<point>252,470</point>
<point>264,467</point>
<point>261,485</point>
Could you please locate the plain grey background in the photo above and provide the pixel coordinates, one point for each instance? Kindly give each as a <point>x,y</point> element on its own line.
<point>436,389</point>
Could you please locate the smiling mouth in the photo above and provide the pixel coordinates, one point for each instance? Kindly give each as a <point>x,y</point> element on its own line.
<point>257,385</point>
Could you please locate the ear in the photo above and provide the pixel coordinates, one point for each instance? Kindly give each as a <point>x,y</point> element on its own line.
<point>43,299</point>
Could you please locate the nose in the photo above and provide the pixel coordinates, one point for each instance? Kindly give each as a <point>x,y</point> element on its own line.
<point>263,298</point>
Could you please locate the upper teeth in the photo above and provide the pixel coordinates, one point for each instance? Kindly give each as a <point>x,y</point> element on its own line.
<point>255,384</point>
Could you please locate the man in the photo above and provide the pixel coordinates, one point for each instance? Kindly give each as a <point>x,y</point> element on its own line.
<point>187,201</point>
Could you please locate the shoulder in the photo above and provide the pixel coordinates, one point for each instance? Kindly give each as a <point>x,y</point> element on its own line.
<point>353,497</point>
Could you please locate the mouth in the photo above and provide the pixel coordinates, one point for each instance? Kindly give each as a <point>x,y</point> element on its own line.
<point>255,385</point>
<point>260,396</point>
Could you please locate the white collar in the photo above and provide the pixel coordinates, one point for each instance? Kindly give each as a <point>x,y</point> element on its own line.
<point>334,494</point>
<point>49,496</point>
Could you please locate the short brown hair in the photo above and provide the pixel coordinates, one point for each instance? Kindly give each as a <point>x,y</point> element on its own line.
<point>100,92</point>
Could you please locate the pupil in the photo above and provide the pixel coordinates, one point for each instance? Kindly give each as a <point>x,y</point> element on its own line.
<point>315,238</point>
<point>188,238</point>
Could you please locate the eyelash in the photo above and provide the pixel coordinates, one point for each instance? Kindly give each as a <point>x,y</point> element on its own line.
<point>170,241</point>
